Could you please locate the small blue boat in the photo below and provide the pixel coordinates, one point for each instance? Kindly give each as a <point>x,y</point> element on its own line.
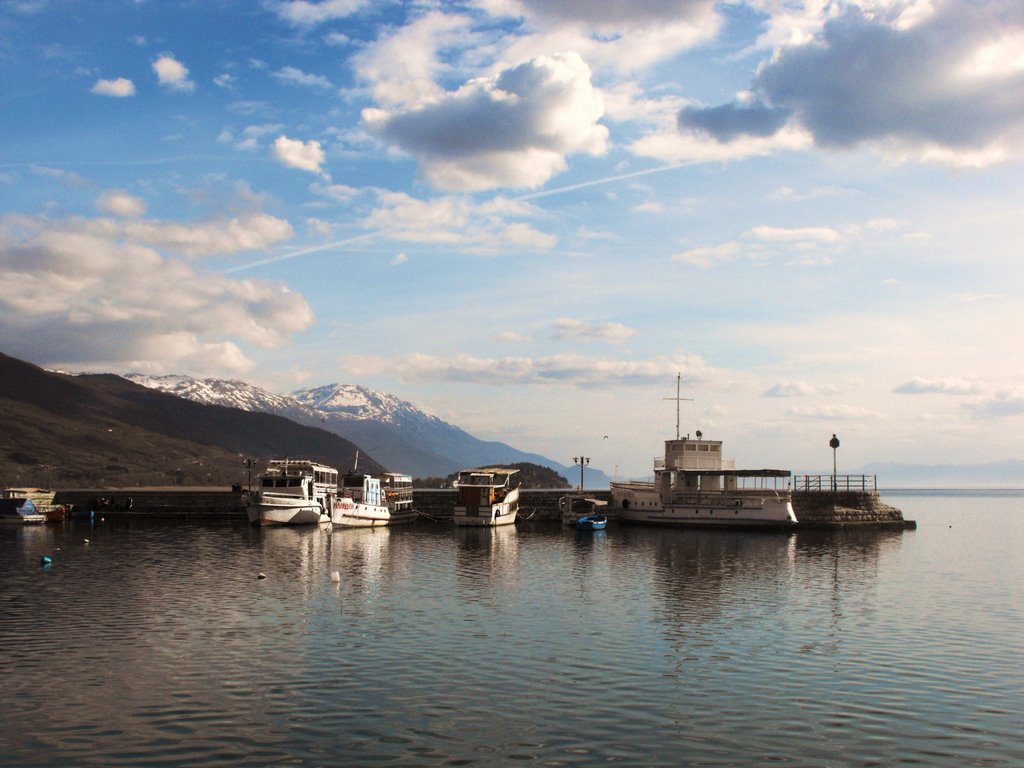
<point>592,523</point>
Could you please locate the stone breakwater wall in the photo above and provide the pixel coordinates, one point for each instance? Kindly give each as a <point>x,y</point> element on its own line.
<point>157,502</point>
<point>824,508</point>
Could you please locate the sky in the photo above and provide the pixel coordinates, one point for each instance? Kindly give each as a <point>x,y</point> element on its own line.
<point>529,218</point>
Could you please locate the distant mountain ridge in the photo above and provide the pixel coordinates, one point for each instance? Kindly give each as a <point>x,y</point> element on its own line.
<point>1000,474</point>
<point>399,435</point>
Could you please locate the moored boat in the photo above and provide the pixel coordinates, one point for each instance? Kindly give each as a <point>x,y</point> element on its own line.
<point>487,496</point>
<point>596,522</point>
<point>574,506</point>
<point>294,492</point>
<point>695,486</point>
<point>15,511</point>
<point>368,501</point>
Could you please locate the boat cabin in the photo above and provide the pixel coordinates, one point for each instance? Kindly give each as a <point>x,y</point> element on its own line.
<point>299,477</point>
<point>485,486</point>
<point>697,465</point>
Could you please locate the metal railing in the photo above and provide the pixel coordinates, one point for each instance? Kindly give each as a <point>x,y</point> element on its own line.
<point>834,483</point>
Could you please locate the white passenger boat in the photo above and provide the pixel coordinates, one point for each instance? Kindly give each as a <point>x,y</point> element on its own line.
<point>367,501</point>
<point>294,492</point>
<point>487,496</point>
<point>693,485</point>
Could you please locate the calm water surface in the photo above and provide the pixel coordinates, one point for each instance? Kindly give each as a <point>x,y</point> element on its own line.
<point>155,644</point>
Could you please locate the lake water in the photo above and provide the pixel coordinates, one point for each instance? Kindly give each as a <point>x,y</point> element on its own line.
<point>155,644</point>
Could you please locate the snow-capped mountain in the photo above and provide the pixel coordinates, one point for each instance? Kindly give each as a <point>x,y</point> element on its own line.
<point>394,432</point>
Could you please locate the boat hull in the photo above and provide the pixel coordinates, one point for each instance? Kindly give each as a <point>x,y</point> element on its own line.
<point>641,503</point>
<point>368,516</point>
<point>28,519</point>
<point>592,523</point>
<point>278,514</point>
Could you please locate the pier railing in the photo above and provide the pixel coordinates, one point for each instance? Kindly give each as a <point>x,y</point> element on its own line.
<point>834,483</point>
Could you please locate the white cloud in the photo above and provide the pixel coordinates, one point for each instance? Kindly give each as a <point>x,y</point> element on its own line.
<point>1002,404</point>
<point>613,333</point>
<point>563,370</point>
<point>456,221</point>
<point>120,88</point>
<point>798,234</point>
<point>88,292</point>
<point>295,153</point>
<point>921,386</point>
<point>706,256</point>
<point>399,258</point>
<point>298,77</point>
<point>920,68</point>
<point>307,14</point>
<point>172,74</point>
<point>795,389</point>
<point>119,203</point>
<point>514,129</point>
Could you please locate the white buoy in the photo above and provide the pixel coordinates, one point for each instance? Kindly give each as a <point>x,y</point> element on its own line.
<point>335,576</point>
<point>85,540</point>
<point>261,575</point>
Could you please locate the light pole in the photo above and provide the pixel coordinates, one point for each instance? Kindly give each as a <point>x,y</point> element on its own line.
<point>834,444</point>
<point>582,461</point>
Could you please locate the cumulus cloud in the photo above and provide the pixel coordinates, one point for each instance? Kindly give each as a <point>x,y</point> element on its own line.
<point>567,370</point>
<point>832,413</point>
<point>613,333</point>
<point>707,256</point>
<point>295,153</point>
<point>119,88</point>
<point>90,293</point>
<point>294,76</point>
<point>119,203</point>
<point>456,221</point>
<point>307,14</point>
<point>1009,402</point>
<point>794,389</point>
<point>616,36</point>
<point>797,234</point>
<point>514,129</point>
<point>172,74</point>
<point>921,386</point>
<point>904,83</point>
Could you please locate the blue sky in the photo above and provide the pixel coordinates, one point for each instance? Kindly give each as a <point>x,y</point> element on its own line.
<point>527,217</point>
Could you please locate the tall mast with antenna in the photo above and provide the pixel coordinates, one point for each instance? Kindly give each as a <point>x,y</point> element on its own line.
<point>678,399</point>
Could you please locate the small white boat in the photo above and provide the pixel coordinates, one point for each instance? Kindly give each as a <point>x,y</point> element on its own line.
<point>294,492</point>
<point>694,486</point>
<point>15,511</point>
<point>368,501</point>
<point>487,496</point>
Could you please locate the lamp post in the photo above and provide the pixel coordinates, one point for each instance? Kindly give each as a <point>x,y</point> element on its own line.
<point>834,444</point>
<point>248,464</point>
<point>581,461</point>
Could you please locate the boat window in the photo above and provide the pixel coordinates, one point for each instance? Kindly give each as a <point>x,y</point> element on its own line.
<point>268,482</point>
<point>293,482</point>
<point>689,447</point>
<point>702,447</point>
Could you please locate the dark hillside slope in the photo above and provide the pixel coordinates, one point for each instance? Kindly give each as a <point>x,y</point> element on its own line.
<point>62,430</point>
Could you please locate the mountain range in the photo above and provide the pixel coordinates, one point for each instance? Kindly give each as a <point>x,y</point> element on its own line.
<point>98,430</point>
<point>395,432</point>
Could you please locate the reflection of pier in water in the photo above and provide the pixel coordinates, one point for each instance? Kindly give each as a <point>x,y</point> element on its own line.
<point>298,551</point>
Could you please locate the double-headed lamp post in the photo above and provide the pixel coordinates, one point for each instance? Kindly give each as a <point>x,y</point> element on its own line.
<point>581,461</point>
<point>834,444</point>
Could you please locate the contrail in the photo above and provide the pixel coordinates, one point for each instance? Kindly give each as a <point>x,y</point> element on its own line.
<point>301,252</point>
<point>605,180</point>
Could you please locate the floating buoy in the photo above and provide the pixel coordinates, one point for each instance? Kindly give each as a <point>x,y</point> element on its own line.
<point>85,540</point>
<point>261,575</point>
<point>45,560</point>
<point>335,576</point>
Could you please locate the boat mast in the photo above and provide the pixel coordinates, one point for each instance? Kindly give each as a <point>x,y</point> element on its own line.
<point>678,399</point>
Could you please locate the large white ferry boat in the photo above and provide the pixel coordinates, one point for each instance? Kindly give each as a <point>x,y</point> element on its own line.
<point>294,492</point>
<point>367,501</point>
<point>487,496</point>
<point>694,485</point>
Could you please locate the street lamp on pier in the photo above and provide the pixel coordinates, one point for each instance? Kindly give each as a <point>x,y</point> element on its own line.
<point>581,461</point>
<point>834,444</point>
